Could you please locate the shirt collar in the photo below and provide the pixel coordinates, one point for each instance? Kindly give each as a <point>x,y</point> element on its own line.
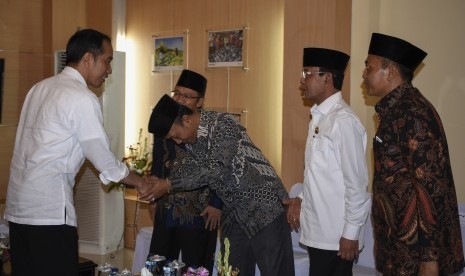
<point>392,98</point>
<point>327,104</point>
<point>70,71</point>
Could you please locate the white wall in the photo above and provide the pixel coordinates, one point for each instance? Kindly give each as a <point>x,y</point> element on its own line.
<point>437,27</point>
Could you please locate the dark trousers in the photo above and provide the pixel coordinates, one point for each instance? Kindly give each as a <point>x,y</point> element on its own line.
<point>328,263</point>
<point>48,250</point>
<point>197,246</point>
<point>271,249</point>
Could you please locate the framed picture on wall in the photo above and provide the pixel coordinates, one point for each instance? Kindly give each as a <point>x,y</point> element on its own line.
<point>226,48</point>
<point>170,53</point>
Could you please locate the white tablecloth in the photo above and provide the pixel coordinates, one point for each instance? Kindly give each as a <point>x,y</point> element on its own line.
<point>364,266</point>
<point>142,248</point>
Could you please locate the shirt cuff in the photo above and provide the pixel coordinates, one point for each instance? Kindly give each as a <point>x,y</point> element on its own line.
<point>351,232</point>
<point>216,202</point>
<point>107,178</point>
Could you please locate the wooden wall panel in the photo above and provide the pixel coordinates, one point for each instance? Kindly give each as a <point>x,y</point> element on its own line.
<point>144,18</point>
<point>24,45</point>
<point>259,89</point>
<point>98,15</point>
<point>216,18</point>
<point>21,25</point>
<point>6,152</point>
<point>70,15</point>
<point>67,17</point>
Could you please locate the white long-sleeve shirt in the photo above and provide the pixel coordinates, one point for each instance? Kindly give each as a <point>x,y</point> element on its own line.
<point>335,203</point>
<point>60,126</point>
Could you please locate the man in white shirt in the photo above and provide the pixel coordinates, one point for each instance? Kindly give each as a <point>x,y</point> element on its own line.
<point>60,126</point>
<point>334,204</point>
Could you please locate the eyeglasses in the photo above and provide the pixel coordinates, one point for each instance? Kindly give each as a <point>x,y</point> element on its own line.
<point>305,74</point>
<point>183,95</point>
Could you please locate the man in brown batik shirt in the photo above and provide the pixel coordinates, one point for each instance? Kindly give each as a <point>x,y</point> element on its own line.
<point>415,213</point>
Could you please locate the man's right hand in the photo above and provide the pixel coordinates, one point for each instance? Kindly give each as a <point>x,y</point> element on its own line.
<point>213,217</point>
<point>293,212</point>
<point>155,188</point>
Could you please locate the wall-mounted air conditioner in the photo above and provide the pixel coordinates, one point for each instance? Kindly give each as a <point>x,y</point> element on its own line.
<point>60,61</point>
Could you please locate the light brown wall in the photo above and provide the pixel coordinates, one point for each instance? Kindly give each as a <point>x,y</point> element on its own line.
<point>24,43</point>
<point>257,90</point>
<point>67,17</point>
<point>70,15</point>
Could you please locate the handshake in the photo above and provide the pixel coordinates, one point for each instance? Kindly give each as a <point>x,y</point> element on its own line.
<point>153,188</point>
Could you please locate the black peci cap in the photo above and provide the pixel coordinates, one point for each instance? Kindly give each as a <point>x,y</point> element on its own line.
<point>397,50</point>
<point>193,80</point>
<point>163,116</point>
<point>327,58</point>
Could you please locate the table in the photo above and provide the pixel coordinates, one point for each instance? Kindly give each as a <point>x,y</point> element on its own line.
<point>86,267</point>
<point>137,215</point>
<point>141,249</point>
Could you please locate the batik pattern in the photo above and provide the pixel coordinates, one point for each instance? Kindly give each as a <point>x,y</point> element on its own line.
<point>415,214</point>
<point>225,159</point>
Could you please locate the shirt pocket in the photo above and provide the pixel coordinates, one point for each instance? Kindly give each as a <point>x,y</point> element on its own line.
<point>321,154</point>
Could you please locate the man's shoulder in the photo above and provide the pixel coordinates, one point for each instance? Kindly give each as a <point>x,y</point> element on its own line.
<point>414,99</point>
<point>215,117</point>
<point>343,114</point>
<point>64,88</point>
<point>342,110</point>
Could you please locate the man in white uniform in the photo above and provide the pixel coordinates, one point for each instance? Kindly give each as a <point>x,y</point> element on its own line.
<point>60,126</point>
<point>334,204</point>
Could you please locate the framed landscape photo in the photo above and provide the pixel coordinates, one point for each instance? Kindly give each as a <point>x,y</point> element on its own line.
<point>169,53</point>
<point>226,48</point>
